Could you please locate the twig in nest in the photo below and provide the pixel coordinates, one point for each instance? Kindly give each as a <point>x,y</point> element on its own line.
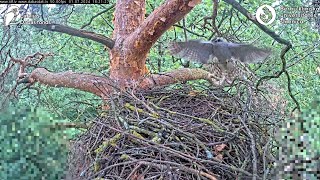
<point>142,102</point>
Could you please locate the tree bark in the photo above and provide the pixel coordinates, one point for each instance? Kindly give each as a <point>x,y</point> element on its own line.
<point>135,36</point>
<point>98,85</point>
<point>103,86</point>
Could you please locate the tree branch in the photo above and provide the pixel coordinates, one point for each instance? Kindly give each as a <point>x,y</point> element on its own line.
<point>100,86</point>
<point>98,14</point>
<point>172,77</point>
<point>252,18</point>
<point>160,20</point>
<point>79,33</point>
<point>103,86</point>
<point>214,16</point>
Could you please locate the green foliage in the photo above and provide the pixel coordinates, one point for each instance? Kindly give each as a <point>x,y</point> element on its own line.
<point>30,146</point>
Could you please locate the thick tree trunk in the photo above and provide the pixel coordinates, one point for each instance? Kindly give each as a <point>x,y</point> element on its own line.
<point>127,63</point>
<point>135,36</point>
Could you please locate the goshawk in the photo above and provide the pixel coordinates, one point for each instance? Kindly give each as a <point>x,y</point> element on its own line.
<point>219,57</point>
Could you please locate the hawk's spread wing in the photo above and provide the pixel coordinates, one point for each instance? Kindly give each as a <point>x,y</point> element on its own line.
<point>248,53</point>
<point>194,50</point>
<point>206,51</point>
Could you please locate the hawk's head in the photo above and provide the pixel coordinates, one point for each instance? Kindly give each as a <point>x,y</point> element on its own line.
<point>218,39</point>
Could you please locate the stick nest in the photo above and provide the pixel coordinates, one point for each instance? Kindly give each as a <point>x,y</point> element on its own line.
<point>180,133</point>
